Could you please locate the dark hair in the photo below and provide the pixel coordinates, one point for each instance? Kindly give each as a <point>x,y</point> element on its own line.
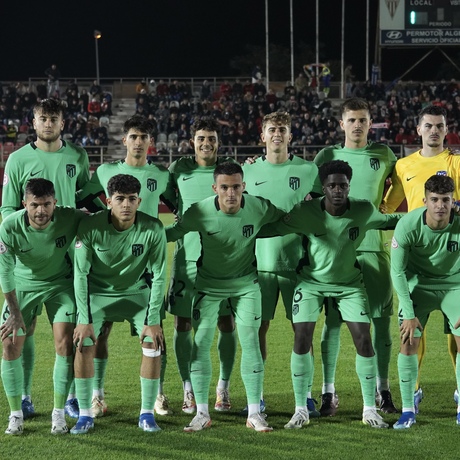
<point>435,110</point>
<point>440,185</point>
<point>39,188</point>
<point>205,123</point>
<point>277,118</point>
<point>334,167</point>
<point>49,107</point>
<point>227,169</point>
<point>123,183</point>
<point>354,103</point>
<point>139,123</point>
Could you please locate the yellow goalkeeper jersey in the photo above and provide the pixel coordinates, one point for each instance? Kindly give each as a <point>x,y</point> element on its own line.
<point>411,173</point>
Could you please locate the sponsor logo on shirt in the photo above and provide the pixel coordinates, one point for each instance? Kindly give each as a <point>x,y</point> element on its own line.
<point>394,243</point>
<point>441,173</point>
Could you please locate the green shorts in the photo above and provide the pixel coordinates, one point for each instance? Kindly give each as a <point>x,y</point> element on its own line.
<point>132,308</point>
<point>375,267</point>
<point>425,302</point>
<point>351,303</point>
<point>59,302</point>
<point>244,305</point>
<point>180,291</point>
<point>271,285</point>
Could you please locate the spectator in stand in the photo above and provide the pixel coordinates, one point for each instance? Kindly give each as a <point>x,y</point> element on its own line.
<point>205,90</point>
<point>162,90</point>
<point>452,137</point>
<point>248,87</point>
<point>141,87</point>
<point>152,91</point>
<point>95,90</point>
<point>94,108</point>
<point>84,97</point>
<point>237,88</point>
<point>53,74</point>
<point>301,83</point>
<point>226,89</point>
<point>349,78</point>
<point>105,108</point>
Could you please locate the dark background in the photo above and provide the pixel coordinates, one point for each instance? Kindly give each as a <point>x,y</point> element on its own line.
<point>184,38</point>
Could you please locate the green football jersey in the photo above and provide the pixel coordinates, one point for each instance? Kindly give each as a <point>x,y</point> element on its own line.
<point>285,185</point>
<point>31,259</point>
<point>110,262</point>
<point>330,242</point>
<point>227,259</point>
<point>192,183</point>
<point>67,169</point>
<point>154,181</point>
<point>371,166</point>
<point>424,258</point>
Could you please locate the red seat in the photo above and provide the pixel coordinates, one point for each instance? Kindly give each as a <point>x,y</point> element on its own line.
<point>24,129</point>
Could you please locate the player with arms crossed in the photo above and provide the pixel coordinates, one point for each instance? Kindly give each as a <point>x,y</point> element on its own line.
<point>425,267</point>
<point>227,225</point>
<point>332,228</point>
<point>154,179</point>
<point>67,167</point>
<point>371,163</point>
<point>35,269</point>
<point>192,178</point>
<point>408,180</point>
<point>285,180</point>
<point>115,249</point>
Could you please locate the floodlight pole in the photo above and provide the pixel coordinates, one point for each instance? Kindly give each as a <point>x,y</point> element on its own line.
<point>97,36</point>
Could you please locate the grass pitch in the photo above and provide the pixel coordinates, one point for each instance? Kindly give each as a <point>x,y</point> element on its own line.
<point>116,436</point>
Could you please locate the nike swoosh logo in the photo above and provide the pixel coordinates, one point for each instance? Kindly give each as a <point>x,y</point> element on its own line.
<point>186,178</point>
<point>194,370</point>
<point>35,173</point>
<point>260,183</point>
<point>25,250</point>
<point>410,178</point>
<point>405,381</point>
<point>299,375</point>
<point>388,345</point>
<point>213,233</point>
<point>319,234</point>
<point>363,313</point>
<point>69,314</point>
<point>258,372</point>
<point>370,378</point>
<point>257,317</point>
<point>103,250</point>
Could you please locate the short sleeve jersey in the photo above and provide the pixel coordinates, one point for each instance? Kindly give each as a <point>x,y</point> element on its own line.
<point>67,169</point>
<point>371,166</point>
<point>330,242</point>
<point>425,258</point>
<point>193,183</point>
<point>154,181</point>
<point>227,259</point>
<point>31,259</point>
<point>411,173</point>
<point>285,185</point>
<point>112,262</point>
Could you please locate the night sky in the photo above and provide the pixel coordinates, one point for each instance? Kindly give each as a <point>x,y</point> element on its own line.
<point>173,38</point>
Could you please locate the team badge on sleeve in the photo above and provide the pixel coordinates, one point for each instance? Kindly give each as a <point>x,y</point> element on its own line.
<point>3,248</point>
<point>6,179</point>
<point>394,243</point>
<point>78,244</point>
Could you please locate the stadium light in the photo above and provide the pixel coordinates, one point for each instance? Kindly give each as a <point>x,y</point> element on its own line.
<point>97,36</point>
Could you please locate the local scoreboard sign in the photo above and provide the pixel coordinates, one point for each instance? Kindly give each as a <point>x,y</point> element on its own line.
<point>419,22</point>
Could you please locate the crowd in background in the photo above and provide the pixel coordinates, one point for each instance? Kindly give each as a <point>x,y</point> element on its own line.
<point>239,106</point>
